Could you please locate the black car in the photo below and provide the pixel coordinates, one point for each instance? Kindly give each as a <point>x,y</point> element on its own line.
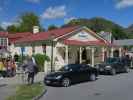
<point>71,73</point>
<point>113,66</point>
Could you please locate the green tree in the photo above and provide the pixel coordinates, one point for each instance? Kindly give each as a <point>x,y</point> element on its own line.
<point>40,60</point>
<point>12,29</point>
<point>119,33</point>
<point>98,24</point>
<point>52,27</point>
<point>25,21</point>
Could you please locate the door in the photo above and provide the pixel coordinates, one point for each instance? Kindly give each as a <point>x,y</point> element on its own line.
<point>84,72</point>
<point>75,73</point>
<point>119,65</point>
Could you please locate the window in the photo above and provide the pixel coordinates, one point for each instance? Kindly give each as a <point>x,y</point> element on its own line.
<point>3,41</point>
<point>44,48</point>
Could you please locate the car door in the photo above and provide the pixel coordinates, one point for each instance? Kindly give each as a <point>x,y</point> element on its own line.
<point>123,63</point>
<point>75,73</point>
<point>119,65</point>
<point>84,72</point>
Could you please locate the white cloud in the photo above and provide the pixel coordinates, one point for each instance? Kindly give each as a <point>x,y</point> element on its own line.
<point>6,24</point>
<point>54,12</point>
<point>34,1</point>
<point>67,20</point>
<point>124,3</point>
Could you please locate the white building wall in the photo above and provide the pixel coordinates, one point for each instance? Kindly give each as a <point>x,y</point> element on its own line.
<point>14,50</point>
<point>28,50</point>
<point>72,55</point>
<point>38,49</point>
<point>47,67</point>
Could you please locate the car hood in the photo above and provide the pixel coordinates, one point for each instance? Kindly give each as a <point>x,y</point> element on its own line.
<point>105,64</point>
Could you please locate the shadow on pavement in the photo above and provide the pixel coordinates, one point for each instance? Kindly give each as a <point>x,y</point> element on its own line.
<point>73,84</point>
<point>3,85</point>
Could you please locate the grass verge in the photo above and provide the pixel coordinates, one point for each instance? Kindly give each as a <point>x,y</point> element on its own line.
<point>27,92</point>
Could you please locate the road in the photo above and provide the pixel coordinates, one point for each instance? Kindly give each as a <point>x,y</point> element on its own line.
<point>5,91</point>
<point>118,87</point>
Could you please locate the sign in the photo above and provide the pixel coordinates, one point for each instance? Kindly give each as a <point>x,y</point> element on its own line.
<point>83,35</point>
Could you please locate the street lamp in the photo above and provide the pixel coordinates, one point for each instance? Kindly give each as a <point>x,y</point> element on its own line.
<point>52,44</point>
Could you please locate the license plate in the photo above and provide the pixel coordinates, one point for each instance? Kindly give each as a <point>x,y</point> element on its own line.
<point>101,69</point>
<point>47,81</point>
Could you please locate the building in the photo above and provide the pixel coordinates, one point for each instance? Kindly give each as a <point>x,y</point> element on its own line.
<point>68,45</point>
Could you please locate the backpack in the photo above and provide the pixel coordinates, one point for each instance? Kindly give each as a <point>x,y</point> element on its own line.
<point>36,70</point>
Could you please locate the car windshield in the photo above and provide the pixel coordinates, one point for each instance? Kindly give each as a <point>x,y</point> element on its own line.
<point>70,67</point>
<point>64,68</point>
<point>111,60</point>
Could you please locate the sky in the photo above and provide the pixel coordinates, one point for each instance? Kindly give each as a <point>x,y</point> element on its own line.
<point>58,12</point>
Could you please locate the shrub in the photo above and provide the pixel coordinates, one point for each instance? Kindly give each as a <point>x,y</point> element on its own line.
<point>40,60</point>
<point>20,58</point>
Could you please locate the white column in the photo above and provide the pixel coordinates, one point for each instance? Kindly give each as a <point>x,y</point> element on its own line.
<point>120,52</point>
<point>103,54</point>
<point>66,54</point>
<point>112,52</point>
<point>107,50</point>
<point>92,57</point>
<point>54,55</point>
<point>80,55</point>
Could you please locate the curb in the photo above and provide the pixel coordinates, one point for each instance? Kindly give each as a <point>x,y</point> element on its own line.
<point>39,96</point>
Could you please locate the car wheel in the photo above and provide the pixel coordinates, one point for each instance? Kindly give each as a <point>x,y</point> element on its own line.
<point>127,69</point>
<point>113,71</point>
<point>66,82</point>
<point>92,77</point>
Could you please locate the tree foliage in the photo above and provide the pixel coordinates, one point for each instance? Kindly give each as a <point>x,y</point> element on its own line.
<point>12,29</point>
<point>26,21</point>
<point>98,24</point>
<point>40,60</point>
<point>119,33</point>
<point>52,27</point>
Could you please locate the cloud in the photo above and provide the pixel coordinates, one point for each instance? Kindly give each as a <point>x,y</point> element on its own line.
<point>67,20</point>
<point>6,24</point>
<point>124,3</point>
<point>33,1</point>
<point>54,12</point>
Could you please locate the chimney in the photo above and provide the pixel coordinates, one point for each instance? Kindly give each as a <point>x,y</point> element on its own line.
<point>35,29</point>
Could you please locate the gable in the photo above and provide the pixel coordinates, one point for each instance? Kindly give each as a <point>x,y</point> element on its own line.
<point>83,36</point>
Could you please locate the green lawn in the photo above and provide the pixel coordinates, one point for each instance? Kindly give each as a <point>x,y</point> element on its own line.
<point>27,92</point>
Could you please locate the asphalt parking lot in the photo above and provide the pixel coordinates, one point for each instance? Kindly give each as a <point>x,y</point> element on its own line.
<point>107,87</point>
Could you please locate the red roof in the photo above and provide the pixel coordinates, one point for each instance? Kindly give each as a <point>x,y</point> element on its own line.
<point>82,43</point>
<point>16,36</point>
<point>46,35</point>
<point>61,32</point>
<point>3,34</point>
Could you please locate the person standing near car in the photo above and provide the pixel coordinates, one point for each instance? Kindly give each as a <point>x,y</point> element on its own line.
<point>31,69</point>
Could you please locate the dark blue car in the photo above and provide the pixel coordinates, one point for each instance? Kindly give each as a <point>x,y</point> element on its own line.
<point>70,74</point>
